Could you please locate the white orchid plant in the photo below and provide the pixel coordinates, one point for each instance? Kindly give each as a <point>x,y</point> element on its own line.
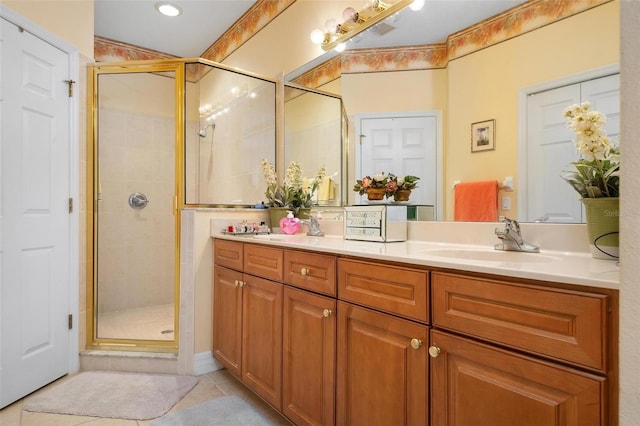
<point>292,193</point>
<point>597,172</point>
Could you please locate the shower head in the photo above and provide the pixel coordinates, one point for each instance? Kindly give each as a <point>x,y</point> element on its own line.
<point>203,132</point>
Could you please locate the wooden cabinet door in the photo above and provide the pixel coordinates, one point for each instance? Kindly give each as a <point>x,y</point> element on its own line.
<point>262,338</point>
<point>475,384</point>
<point>309,352</point>
<point>227,318</point>
<point>381,379</point>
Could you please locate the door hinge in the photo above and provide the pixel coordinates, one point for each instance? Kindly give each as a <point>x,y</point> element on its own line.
<point>70,205</point>
<point>362,136</point>
<point>70,83</point>
<point>70,321</point>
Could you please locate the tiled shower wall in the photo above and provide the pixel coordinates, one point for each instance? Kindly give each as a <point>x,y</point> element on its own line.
<point>136,247</point>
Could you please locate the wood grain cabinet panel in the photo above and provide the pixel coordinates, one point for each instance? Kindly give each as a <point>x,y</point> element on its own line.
<point>561,324</point>
<point>310,271</point>
<point>264,262</point>
<point>382,379</point>
<point>393,289</point>
<point>227,322</point>
<point>229,254</point>
<point>262,338</point>
<point>473,384</point>
<point>309,357</point>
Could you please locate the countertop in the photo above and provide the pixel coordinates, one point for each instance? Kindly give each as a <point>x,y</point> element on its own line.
<point>553,266</point>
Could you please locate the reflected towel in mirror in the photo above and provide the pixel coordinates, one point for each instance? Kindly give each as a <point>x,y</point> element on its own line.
<point>476,201</point>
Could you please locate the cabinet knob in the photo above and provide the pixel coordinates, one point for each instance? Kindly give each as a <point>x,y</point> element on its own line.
<point>237,283</point>
<point>434,351</point>
<point>416,343</point>
<point>240,283</point>
<point>326,313</point>
<point>304,271</point>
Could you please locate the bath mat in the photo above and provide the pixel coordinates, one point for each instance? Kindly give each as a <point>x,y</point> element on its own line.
<point>113,394</point>
<point>225,411</point>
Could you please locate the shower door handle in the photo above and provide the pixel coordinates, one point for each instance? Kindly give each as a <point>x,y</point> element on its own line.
<point>138,200</point>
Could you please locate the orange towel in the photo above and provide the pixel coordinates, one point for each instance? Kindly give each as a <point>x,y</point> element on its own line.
<point>476,201</point>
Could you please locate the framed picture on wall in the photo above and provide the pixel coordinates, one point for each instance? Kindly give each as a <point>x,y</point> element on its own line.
<point>483,136</point>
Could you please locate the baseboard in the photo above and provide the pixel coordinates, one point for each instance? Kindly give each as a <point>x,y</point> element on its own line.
<point>204,362</point>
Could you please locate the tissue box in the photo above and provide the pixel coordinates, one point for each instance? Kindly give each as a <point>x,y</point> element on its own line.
<point>384,223</point>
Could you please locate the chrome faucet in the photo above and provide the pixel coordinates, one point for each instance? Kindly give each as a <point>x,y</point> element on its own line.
<point>512,238</point>
<point>314,226</point>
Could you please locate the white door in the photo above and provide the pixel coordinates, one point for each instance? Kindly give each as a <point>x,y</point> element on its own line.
<point>402,145</point>
<point>34,236</point>
<point>550,147</point>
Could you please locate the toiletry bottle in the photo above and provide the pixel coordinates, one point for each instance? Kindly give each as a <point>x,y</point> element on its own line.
<point>290,225</point>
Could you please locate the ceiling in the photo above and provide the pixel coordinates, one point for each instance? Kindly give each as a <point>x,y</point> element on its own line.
<point>202,22</point>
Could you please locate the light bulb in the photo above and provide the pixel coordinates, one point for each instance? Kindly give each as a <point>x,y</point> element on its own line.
<point>350,14</point>
<point>416,5</point>
<point>340,47</point>
<point>317,36</point>
<point>330,25</point>
<point>168,9</point>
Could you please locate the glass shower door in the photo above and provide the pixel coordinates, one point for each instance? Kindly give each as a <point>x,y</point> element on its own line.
<point>135,235</point>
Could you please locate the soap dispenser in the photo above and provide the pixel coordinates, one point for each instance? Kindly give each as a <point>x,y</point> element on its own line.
<point>290,225</point>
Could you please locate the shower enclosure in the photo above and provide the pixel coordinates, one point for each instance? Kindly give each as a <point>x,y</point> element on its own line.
<point>163,135</point>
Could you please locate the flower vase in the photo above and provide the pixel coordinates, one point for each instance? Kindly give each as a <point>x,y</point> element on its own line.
<point>603,216</point>
<point>275,214</point>
<point>375,194</point>
<point>401,195</point>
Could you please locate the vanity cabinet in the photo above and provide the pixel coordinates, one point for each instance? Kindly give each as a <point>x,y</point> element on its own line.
<point>336,339</point>
<point>278,339</point>
<point>506,353</point>
<point>383,376</point>
<point>247,326</point>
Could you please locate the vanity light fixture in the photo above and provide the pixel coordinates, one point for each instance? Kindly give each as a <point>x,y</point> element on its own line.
<point>353,22</point>
<point>168,9</point>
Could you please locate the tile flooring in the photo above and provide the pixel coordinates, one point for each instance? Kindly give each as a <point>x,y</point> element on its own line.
<point>210,386</point>
<point>146,323</point>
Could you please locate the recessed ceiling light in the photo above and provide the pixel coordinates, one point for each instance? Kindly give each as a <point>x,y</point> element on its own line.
<point>168,9</point>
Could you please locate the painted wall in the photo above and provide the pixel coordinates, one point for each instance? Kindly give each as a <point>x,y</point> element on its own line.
<point>72,21</point>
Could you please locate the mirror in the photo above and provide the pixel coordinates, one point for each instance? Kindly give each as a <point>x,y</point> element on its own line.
<point>482,82</point>
<point>313,137</point>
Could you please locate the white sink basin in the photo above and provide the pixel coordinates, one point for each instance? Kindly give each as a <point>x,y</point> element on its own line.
<point>491,255</point>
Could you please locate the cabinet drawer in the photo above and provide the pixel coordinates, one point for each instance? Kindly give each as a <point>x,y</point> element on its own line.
<point>228,253</point>
<point>261,261</point>
<point>562,324</point>
<point>310,271</point>
<point>401,291</point>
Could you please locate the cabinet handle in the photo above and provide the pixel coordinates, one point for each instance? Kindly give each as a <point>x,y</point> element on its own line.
<point>434,351</point>
<point>416,343</point>
<point>237,283</point>
<point>326,313</point>
<point>240,283</point>
<point>304,271</point>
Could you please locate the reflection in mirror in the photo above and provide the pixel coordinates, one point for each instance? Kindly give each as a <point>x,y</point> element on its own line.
<point>230,128</point>
<point>313,137</point>
<point>472,82</point>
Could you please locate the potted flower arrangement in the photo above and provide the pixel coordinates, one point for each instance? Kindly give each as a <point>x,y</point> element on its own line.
<point>596,177</point>
<point>375,187</point>
<point>401,188</point>
<point>292,193</point>
<point>385,185</point>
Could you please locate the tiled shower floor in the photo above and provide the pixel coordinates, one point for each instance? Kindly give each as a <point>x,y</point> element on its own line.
<point>148,323</point>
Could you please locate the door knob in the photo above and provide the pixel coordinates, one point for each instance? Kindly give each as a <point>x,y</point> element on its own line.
<point>434,351</point>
